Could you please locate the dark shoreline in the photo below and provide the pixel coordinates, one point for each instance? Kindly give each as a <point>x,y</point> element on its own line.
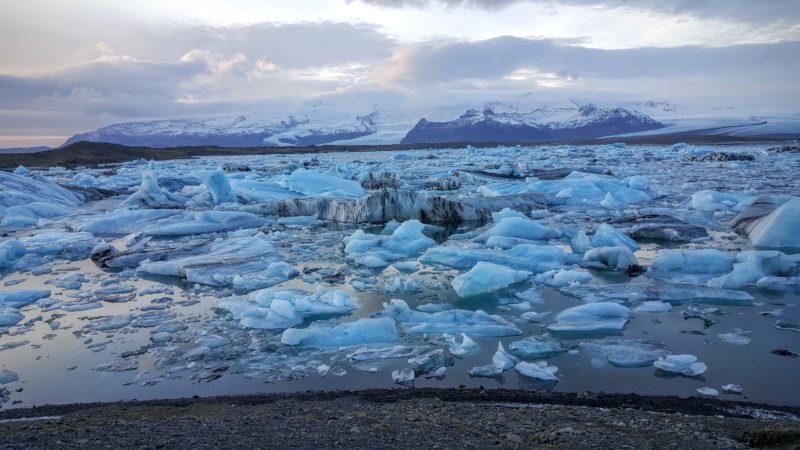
<point>95,154</point>
<point>703,406</point>
<point>406,418</point>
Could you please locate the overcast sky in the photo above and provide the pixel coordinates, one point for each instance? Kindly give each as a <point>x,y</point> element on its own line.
<point>72,66</point>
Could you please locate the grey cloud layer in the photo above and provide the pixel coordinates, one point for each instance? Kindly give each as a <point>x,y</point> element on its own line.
<point>742,10</point>
<point>495,58</point>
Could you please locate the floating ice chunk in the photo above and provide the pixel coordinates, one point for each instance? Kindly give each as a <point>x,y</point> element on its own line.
<point>218,185</point>
<point>738,337</point>
<point>360,332</point>
<point>403,376</point>
<point>534,316</point>
<point>520,228</point>
<point>434,307</point>
<point>538,370</point>
<point>503,359</point>
<point>707,391</point>
<point>123,221</point>
<point>395,351</point>
<point>617,258</point>
<point>691,265</point>
<point>430,361</point>
<point>150,195</point>
<point>267,309</point>
<point>531,295</point>
<point>607,236</point>
<point>22,216</point>
<point>592,317</point>
<point>537,347</point>
<point>246,262</point>
<point>10,251</point>
<point>374,250</point>
<point>299,221</point>
<point>212,341</point>
<point>317,184</point>
<point>534,258</point>
<point>682,364</point>
<point>580,243</point>
<point>10,316</point>
<point>643,290</point>
<point>563,277</point>
<point>638,182</point>
<point>754,265</point>
<point>654,307</point>
<point>109,323</point>
<point>72,246</point>
<point>627,352</point>
<point>206,222</point>
<point>7,376</point>
<point>487,277</point>
<point>22,190</point>
<point>18,299</point>
<point>779,228</point>
<point>466,345</point>
<point>719,201</point>
<point>21,170</point>
<point>506,213</point>
<point>474,323</point>
<point>488,371</point>
<point>610,202</point>
<point>733,388</point>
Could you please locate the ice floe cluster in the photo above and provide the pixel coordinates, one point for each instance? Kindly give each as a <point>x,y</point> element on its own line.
<point>449,266</point>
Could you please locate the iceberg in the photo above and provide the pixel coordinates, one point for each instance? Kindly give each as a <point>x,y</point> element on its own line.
<point>753,267</point>
<point>592,317</point>
<point>563,277</point>
<point>318,184</point>
<point>532,258</point>
<point>374,250</point>
<point>269,310</point>
<point>9,316</point>
<point>18,299</point>
<point>349,334</point>
<point>454,321</point>
<point>719,201</point>
<point>520,228</point>
<point>538,347</point>
<point>205,222</point>
<point>691,265</point>
<point>615,258</point>
<point>150,195</point>
<point>487,277</point>
<point>217,185</point>
<point>780,228</point>
<point>466,345</point>
<point>646,290</point>
<point>686,365</point>
<point>607,236</point>
<point>10,251</point>
<point>247,262</point>
<point>538,370</point>
<point>627,352</point>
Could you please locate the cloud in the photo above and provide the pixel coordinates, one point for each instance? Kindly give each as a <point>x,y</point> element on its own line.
<point>499,57</point>
<point>739,10</point>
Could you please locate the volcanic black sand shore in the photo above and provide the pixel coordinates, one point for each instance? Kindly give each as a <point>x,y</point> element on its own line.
<point>407,418</point>
<point>97,153</point>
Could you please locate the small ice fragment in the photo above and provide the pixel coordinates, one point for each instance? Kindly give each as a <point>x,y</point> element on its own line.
<point>682,364</point>
<point>467,345</point>
<point>539,371</point>
<point>708,391</point>
<point>487,277</point>
<point>733,388</point>
<point>403,376</point>
<point>503,359</point>
<point>653,306</point>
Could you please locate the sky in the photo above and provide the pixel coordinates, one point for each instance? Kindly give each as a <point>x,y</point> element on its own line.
<point>73,66</point>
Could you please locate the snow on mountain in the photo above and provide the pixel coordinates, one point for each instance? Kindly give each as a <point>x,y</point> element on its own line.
<point>586,121</point>
<point>359,120</point>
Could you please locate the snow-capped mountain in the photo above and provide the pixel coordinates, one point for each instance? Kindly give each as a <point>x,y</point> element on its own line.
<point>252,130</point>
<point>585,121</point>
